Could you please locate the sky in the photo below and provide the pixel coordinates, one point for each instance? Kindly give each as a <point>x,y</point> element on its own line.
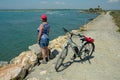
<point>59,4</point>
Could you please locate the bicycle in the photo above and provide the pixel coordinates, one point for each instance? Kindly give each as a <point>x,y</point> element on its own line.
<point>86,49</point>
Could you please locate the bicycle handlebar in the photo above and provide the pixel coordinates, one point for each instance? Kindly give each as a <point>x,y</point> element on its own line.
<point>65,30</point>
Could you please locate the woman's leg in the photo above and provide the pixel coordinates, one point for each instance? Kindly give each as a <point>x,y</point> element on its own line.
<point>47,52</point>
<point>44,53</point>
<point>44,48</point>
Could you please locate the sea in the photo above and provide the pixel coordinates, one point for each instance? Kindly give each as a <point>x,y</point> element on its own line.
<point>18,28</point>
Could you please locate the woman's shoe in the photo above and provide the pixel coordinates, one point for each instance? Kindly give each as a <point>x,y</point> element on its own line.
<point>43,62</point>
<point>46,59</point>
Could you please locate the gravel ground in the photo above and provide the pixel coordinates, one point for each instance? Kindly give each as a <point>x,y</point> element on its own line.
<point>104,65</point>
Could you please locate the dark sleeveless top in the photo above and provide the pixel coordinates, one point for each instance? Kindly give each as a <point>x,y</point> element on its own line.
<point>45,31</point>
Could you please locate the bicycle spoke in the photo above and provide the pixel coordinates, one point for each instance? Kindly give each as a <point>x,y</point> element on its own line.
<point>86,50</point>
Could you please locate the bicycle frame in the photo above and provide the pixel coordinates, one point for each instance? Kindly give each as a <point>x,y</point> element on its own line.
<point>72,44</point>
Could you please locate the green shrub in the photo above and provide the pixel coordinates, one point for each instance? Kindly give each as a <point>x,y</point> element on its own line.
<point>116,17</point>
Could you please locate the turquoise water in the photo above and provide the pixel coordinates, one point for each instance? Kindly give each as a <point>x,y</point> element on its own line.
<point>18,29</point>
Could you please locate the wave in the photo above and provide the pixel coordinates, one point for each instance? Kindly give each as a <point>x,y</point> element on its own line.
<point>55,13</point>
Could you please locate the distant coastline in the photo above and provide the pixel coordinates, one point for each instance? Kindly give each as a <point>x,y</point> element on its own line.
<point>37,10</point>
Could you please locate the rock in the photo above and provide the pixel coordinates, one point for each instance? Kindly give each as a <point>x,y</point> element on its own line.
<point>19,66</point>
<point>58,46</point>
<point>57,43</point>
<point>27,59</point>
<point>12,71</point>
<point>59,49</point>
<point>51,45</point>
<point>35,48</point>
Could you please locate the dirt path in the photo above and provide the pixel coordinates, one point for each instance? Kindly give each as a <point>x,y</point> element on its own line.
<point>105,64</point>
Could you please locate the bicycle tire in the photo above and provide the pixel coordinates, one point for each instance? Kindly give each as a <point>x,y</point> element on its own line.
<point>61,58</point>
<point>86,50</point>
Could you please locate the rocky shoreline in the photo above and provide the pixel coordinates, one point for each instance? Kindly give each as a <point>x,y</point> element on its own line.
<point>19,66</point>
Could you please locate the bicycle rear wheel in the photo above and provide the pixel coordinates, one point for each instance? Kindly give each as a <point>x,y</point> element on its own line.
<point>61,58</point>
<point>86,50</point>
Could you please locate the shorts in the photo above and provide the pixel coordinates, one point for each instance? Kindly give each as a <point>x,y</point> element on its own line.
<point>44,42</point>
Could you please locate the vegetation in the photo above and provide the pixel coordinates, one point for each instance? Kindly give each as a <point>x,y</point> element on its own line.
<point>97,10</point>
<point>116,17</point>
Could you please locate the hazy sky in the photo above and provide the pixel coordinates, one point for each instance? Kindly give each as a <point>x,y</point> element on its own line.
<point>59,4</point>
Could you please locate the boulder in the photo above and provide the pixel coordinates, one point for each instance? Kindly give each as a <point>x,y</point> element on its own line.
<point>57,43</point>
<point>12,71</point>
<point>35,48</point>
<point>27,59</point>
<point>19,66</point>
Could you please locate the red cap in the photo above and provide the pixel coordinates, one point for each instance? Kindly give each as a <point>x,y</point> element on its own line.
<point>43,17</point>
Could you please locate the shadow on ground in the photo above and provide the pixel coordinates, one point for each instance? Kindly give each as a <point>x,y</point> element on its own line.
<point>69,63</point>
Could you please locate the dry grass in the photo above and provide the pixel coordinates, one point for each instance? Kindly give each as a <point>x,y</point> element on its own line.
<point>116,17</point>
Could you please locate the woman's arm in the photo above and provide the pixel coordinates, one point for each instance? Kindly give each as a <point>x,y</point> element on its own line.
<point>40,32</point>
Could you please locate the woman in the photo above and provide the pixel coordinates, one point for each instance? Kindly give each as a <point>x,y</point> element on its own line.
<point>43,37</point>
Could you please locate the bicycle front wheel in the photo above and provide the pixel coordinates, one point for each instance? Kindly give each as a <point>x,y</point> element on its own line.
<point>86,50</point>
<point>61,58</point>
